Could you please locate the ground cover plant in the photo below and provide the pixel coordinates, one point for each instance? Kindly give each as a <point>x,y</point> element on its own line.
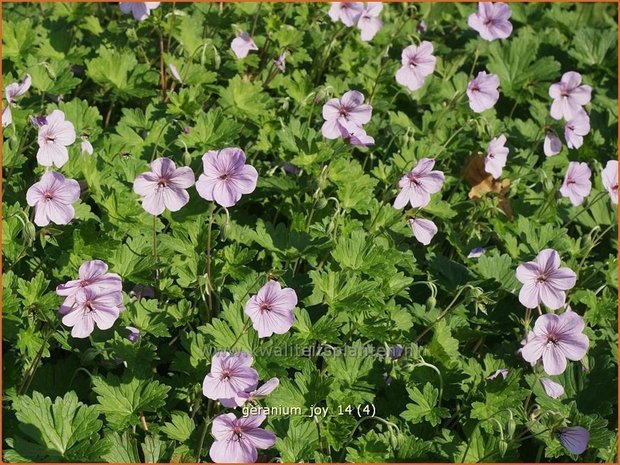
<point>353,232</point>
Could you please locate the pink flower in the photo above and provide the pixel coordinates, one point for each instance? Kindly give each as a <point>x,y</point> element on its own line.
<point>93,274</point>
<point>497,153</point>
<point>503,372</point>
<point>280,62</point>
<point>86,147</point>
<point>575,439</point>
<point>418,185</point>
<point>544,281</point>
<point>423,230</point>
<point>476,252</point>
<point>418,62</point>
<point>7,116</point>
<point>91,308</point>
<point>175,73</point>
<point>242,45</point>
<point>347,12</point>
<point>482,92</point>
<point>576,128</point>
<point>16,89</point>
<point>577,184</point>
<point>54,137</point>
<point>226,177</point>
<point>357,136</point>
<point>552,389</point>
<point>140,10</point>
<point>491,20</point>
<point>271,309</point>
<point>369,22</point>
<point>569,96</point>
<point>52,198</point>
<point>164,186</point>
<point>348,113</point>
<point>552,145</point>
<point>244,396</point>
<point>236,439</point>
<point>554,339</point>
<point>610,179</point>
<point>230,374</point>
<point>134,334</point>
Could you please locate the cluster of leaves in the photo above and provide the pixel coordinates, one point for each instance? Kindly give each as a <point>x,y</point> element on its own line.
<point>326,229</point>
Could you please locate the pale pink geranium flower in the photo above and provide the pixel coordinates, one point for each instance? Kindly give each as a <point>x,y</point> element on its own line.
<point>423,230</point>
<point>554,339</point>
<point>230,374</point>
<point>569,96</point>
<point>12,91</point>
<point>237,439</point>
<point>497,154</point>
<point>610,179</point>
<point>271,309</point>
<point>250,396</point>
<point>418,185</point>
<point>545,281</point>
<point>164,186</point>
<point>139,10</point>
<point>7,116</point>
<point>418,62</point>
<point>242,45</point>
<point>369,22</point>
<point>54,137</point>
<point>91,308</point>
<point>576,128</point>
<point>17,89</point>
<point>52,198</point>
<point>133,334</point>
<point>356,136</point>
<point>347,12</point>
<point>552,145</point>
<point>347,113</point>
<point>476,252</point>
<point>503,372</point>
<point>577,184</point>
<point>175,73</point>
<point>280,62</point>
<point>93,274</point>
<point>86,147</point>
<point>575,439</point>
<point>491,20</point>
<point>226,177</point>
<point>482,92</point>
<point>552,389</point>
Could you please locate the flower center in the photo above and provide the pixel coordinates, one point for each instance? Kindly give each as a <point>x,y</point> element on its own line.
<point>264,307</point>
<point>163,182</point>
<point>475,88</point>
<point>50,139</point>
<point>344,112</point>
<point>413,180</point>
<point>48,196</point>
<point>541,279</point>
<point>412,63</point>
<point>552,339</point>
<point>226,374</point>
<point>224,176</point>
<point>238,434</point>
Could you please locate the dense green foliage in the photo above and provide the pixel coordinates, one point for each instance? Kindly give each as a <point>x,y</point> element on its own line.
<point>327,230</point>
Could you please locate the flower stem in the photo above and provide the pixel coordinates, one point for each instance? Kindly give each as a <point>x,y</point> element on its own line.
<point>442,314</point>
<point>209,281</point>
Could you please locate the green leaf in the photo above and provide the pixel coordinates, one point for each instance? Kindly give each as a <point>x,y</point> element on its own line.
<point>424,406</point>
<point>59,429</point>
<point>181,427</point>
<point>123,401</point>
